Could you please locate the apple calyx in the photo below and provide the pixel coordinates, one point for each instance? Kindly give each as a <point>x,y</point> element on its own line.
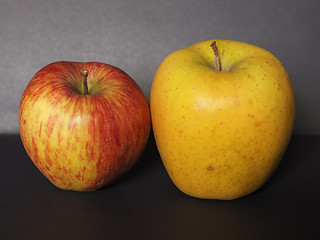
<point>216,52</point>
<point>84,74</point>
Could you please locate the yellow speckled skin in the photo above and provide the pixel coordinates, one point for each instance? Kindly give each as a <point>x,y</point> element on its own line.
<point>221,134</point>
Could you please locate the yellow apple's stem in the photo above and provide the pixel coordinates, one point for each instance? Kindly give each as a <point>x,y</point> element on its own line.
<point>84,74</point>
<point>216,52</point>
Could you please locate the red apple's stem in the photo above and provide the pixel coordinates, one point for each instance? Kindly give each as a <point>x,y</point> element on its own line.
<point>216,52</point>
<point>84,74</point>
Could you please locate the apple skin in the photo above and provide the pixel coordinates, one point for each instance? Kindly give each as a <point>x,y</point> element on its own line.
<point>83,142</point>
<point>221,134</point>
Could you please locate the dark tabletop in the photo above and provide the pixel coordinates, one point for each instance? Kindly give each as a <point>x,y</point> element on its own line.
<point>144,204</point>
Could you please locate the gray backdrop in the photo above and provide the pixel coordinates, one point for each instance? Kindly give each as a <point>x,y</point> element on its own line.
<point>137,35</point>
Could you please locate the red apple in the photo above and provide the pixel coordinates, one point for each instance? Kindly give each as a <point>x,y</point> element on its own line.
<point>83,124</point>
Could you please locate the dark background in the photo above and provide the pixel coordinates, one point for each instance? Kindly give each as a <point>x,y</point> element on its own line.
<point>136,36</point>
<point>145,204</point>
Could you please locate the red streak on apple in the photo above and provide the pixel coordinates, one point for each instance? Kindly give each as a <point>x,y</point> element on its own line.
<point>35,150</point>
<point>70,135</point>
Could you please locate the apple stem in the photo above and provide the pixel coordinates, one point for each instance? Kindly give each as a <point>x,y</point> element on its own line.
<point>216,52</point>
<point>84,74</point>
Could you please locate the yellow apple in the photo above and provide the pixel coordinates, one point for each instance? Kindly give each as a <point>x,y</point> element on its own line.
<point>222,114</point>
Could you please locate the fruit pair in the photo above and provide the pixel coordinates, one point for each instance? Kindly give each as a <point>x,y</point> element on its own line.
<point>222,114</point>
